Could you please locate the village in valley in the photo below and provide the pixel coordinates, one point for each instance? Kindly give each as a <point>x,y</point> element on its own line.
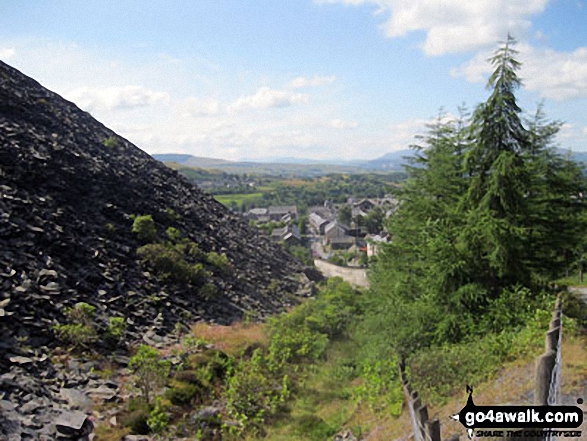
<point>346,234</point>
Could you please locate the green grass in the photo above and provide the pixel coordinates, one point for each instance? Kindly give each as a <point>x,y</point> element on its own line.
<point>572,280</point>
<point>227,199</point>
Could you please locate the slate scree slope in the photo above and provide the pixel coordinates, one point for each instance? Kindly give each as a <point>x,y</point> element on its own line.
<point>66,200</point>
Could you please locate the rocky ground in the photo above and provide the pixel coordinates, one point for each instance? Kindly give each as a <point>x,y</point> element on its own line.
<point>68,189</point>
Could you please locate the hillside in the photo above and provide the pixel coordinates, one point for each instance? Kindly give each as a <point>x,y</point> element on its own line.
<point>260,168</point>
<point>69,189</point>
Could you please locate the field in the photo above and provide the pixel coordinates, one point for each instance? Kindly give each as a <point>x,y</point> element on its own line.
<point>238,199</point>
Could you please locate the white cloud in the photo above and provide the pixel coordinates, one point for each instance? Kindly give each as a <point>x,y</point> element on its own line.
<point>554,75</point>
<point>455,25</point>
<point>195,107</point>
<point>112,98</point>
<point>266,98</point>
<point>301,82</point>
<point>340,124</point>
<point>6,53</point>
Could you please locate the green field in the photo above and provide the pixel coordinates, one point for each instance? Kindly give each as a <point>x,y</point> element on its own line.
<point>228,199</point>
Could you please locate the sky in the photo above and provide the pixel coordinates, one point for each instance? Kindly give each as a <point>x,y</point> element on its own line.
<point>319,79</point>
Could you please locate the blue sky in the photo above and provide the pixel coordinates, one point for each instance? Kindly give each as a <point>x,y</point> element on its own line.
<point>297,78</point>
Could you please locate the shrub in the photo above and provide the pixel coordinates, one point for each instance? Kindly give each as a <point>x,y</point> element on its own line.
<point>150,372</point>
<point>313,428</point>
<point>190,377</point>
<point>75,333</point>
<point>116,329</point>
<point>158,419</point>
<point>220,261</point>
<point>110,142</point>
<point>136,421</point>
<point>182,394</point>
<point>254,394</point>
<point>173,234</point>
<point>208,290</point>
<point>80,330</point>
<point>144,227</point>
<point>169,264</point>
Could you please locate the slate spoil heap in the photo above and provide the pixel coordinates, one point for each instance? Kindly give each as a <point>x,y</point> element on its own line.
<point>68,188</point>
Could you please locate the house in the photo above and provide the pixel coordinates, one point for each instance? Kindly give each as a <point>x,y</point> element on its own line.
<point>289,234</point>
<point>365,205</point>
<point>374,243</point>
<point>318,223</point>
<point>342,242</point>
<point>258,214</point>
<point>279,212</point>
<point>335,229</point>
<point>326,211</point>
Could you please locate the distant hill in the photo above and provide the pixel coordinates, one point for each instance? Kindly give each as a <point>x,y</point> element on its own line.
<point>299,168</point>
<point>291,166</point>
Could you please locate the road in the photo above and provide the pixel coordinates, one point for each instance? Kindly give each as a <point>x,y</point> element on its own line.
<point>355,276</point>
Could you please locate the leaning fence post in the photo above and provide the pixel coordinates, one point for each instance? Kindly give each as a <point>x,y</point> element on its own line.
<point>544,366</point>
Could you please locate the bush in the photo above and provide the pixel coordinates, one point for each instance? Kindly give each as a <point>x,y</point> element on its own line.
<point>173,234</point>
<point>136,421</point>
<point>144,227</point>
<point>182,394</point>
<point>75,333</point>
<point>313,428</point>
<point>116,329</point>
<point>190,377</point>
<point>253,393</point>
<point>150,372</point>
<point>220,261</point>
<point>110,142</point>
<point>80,330</point>
<point>170,264</point>
<point>158,419</point>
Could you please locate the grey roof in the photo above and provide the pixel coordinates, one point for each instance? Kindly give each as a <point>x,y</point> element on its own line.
<point>283,209</point>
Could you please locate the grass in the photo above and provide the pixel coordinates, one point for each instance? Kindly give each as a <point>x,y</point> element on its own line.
<point>233,339</point>
<point>238,199</point>
<point>572,280</point>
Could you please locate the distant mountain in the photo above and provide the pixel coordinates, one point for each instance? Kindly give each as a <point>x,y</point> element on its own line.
<point>286,166</point>
<point>305,168</point>
<point>172,157</point>
<point>392,161</point>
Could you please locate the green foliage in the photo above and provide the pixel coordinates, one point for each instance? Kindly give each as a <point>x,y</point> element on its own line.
<point>136,421</point>
<point>158,420</point>
<point>313,428</point>
<point>302,253</point>
<point>149,371</point>
<point>182,394</point>
<point>220,261</point>
<point>79,331</point>
<point>144,227</point>
<point>173,234</point>
<point>381,387</point>
<point>489,213</point>
<point>208,291</point>
<point>110,142</point>
<point>304,333</point>
<point>474,360</point>
<point>253,393</point>
<point>75,334</point>
<point>170,264</point>
<point>116,329</point>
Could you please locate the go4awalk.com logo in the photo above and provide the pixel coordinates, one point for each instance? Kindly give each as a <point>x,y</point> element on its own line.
<point>536,421</point>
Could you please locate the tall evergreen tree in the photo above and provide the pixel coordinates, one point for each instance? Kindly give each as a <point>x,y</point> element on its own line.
<point>488,206</point>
